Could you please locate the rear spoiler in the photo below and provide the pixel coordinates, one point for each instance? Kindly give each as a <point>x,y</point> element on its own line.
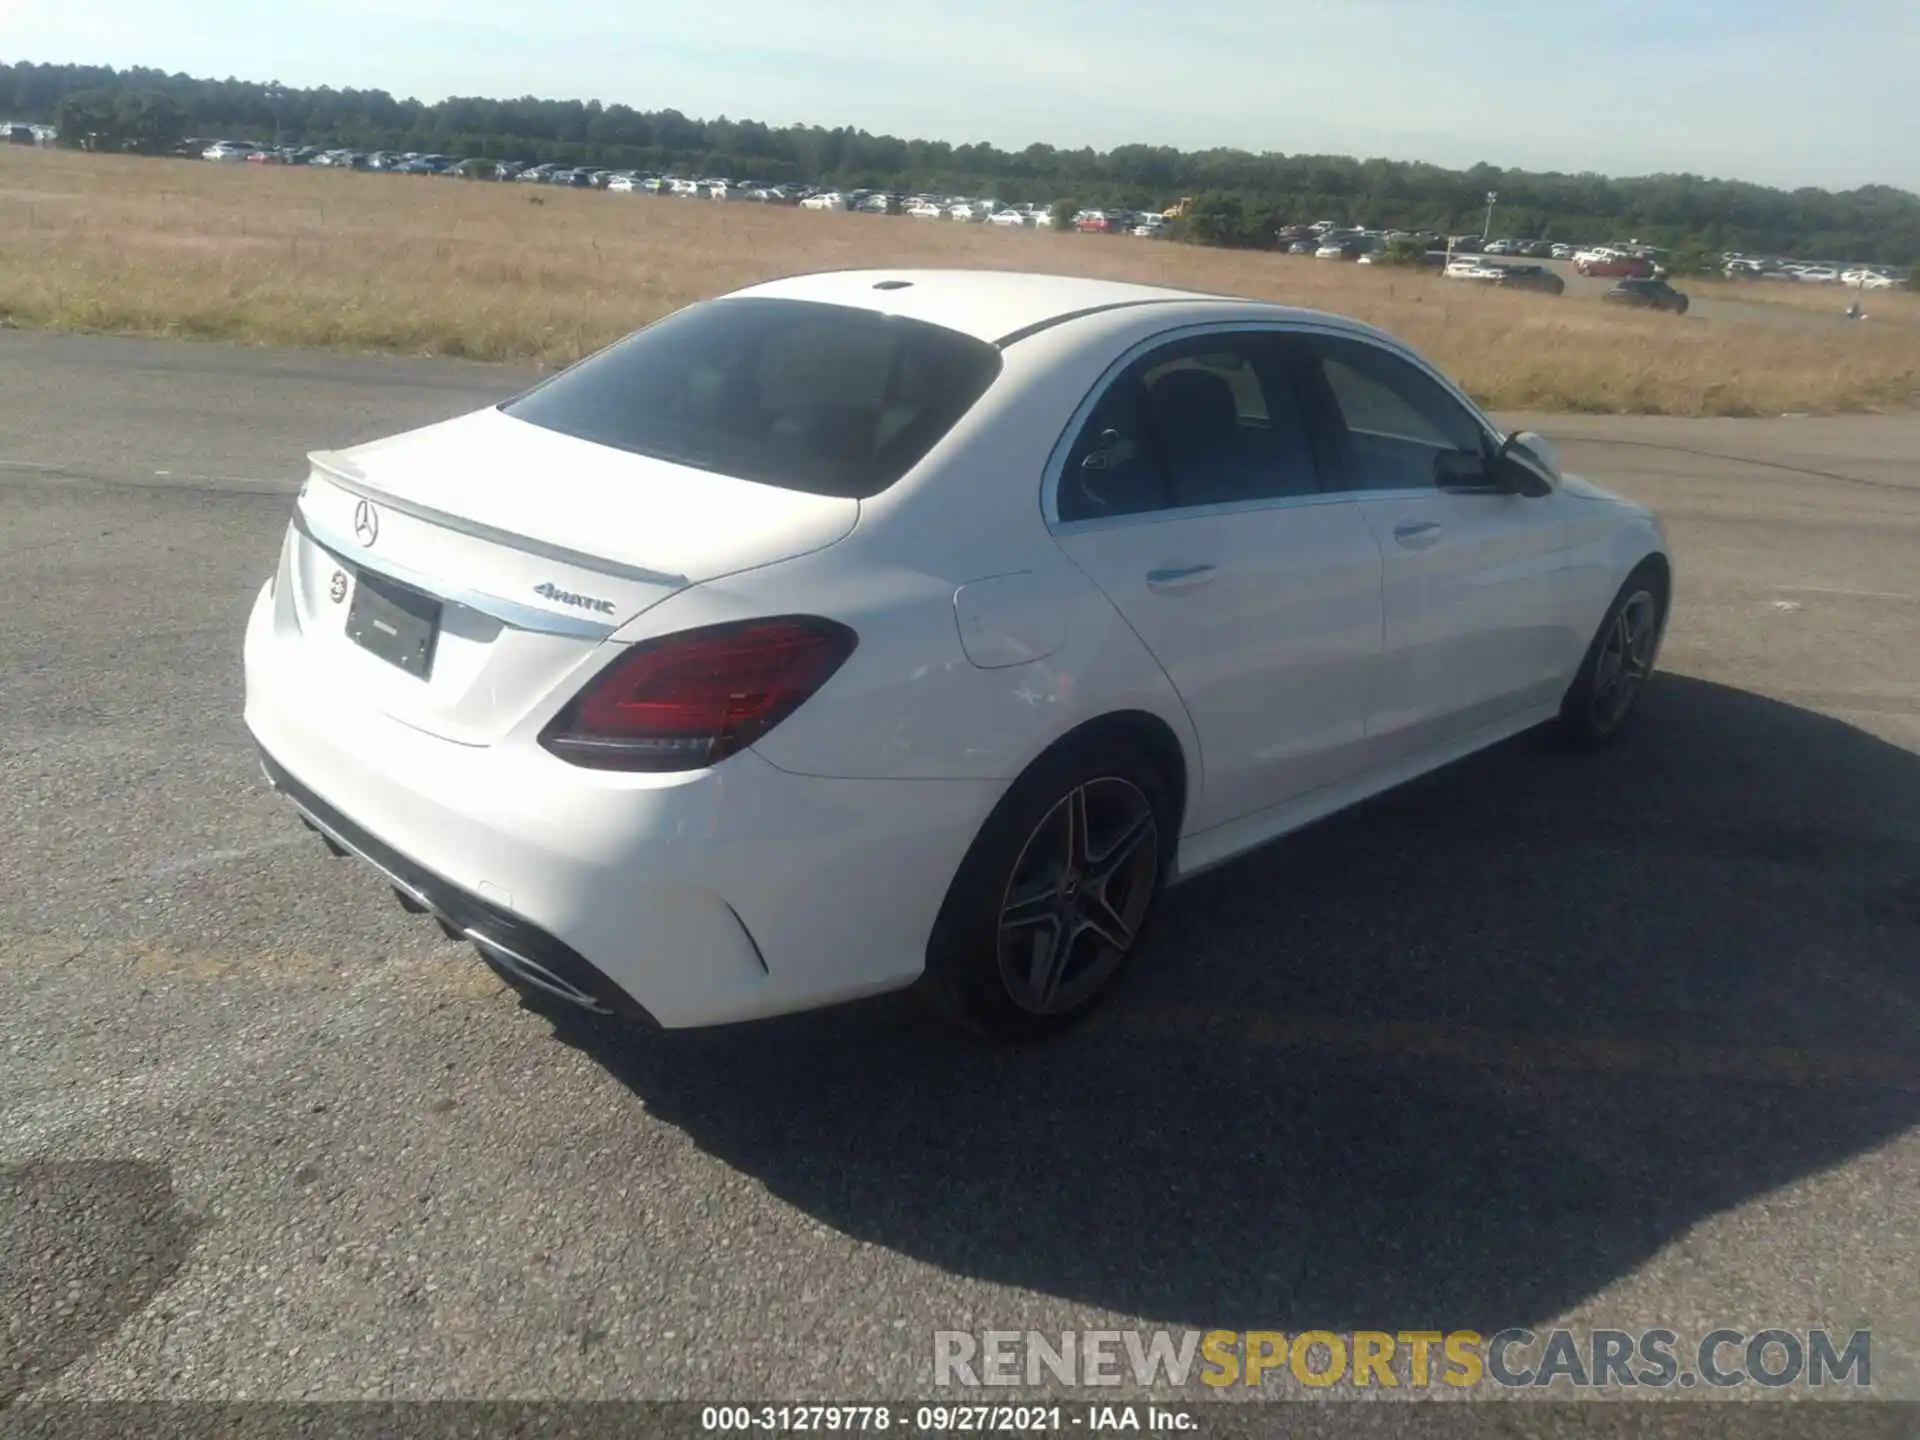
<point>340,471</point>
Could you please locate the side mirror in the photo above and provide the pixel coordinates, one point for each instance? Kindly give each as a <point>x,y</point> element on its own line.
<point>1526,465</point>
<point>1540,448</point>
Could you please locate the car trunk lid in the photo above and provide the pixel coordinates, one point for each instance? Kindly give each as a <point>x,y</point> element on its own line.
<point>459,573</point>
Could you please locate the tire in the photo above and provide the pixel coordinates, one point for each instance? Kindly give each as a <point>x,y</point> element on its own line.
<point>1018,890</point>
<point>1618,662</point>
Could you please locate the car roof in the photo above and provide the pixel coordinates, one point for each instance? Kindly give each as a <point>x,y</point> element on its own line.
<point>991,305</point>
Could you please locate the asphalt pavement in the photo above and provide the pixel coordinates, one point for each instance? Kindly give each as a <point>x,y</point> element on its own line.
<point>1624,1040</point>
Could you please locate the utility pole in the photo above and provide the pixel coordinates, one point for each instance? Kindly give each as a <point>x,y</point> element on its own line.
<point>1487,234</point>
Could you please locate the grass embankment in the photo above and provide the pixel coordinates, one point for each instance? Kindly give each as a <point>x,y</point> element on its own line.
<point>512,272</point>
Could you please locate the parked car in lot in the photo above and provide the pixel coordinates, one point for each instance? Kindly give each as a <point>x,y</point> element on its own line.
<point>966,613</point>
<point>1344,247</point>
<point>1472,268</point>
<point>1647,293</point>
<point>1612,263</point>
<point>1530,277</point>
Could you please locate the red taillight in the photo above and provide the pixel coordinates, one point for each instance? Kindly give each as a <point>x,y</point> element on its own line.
<point>687,701</point>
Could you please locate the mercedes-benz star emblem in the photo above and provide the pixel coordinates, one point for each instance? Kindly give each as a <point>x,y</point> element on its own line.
<point>366,523</point>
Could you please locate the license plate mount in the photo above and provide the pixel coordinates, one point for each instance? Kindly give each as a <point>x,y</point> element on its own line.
<point>396,622</point>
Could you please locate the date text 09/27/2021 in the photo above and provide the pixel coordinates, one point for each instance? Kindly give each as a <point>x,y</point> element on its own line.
<point>944,1419</point>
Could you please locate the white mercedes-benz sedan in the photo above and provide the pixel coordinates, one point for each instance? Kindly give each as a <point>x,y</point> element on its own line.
<point>873,628</point>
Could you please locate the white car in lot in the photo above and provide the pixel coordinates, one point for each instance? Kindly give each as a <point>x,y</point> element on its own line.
<point>1472,269</point>
<point>869,628</point>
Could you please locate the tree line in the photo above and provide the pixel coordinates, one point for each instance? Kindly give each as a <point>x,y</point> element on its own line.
<point>1243,195</point>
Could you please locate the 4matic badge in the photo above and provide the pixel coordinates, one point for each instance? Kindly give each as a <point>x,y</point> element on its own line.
<point>567,597</point>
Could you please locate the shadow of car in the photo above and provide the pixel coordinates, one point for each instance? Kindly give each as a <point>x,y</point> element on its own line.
<point>1469,1052</point>
<point>84,1244</point>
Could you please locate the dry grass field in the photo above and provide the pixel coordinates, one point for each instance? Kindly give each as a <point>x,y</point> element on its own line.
<point>514,272</point>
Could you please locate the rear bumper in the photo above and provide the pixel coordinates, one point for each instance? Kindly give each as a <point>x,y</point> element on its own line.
<point>505,939</point>
<point>691,899</point>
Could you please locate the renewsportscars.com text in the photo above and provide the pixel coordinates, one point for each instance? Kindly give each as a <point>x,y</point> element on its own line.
<point>1405,1359</point>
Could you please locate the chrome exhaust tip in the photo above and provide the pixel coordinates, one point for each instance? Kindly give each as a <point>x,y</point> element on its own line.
<point>538,976</point>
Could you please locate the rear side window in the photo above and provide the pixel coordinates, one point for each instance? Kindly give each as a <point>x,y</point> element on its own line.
<point>827,399</point>
<point>1212,421</point>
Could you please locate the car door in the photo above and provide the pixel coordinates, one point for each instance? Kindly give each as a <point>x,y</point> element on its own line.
<point>1191,496</point>
<point>1475,614</point>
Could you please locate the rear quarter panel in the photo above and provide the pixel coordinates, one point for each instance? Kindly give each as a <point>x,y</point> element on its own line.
<point>910,704</point>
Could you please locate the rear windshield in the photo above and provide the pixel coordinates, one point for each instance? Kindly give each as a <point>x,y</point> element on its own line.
<point>822,398</point>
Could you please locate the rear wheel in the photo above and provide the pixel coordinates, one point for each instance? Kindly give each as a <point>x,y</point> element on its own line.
<point>1055,896</point>
<point>1618,662</point>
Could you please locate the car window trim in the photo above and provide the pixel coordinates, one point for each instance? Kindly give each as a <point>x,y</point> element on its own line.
<point>1063,447</point>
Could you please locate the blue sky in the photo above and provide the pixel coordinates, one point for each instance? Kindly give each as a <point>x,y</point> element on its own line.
<point>1787,94</point>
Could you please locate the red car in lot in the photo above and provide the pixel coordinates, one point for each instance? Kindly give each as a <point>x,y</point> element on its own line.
<point>1628,267</point>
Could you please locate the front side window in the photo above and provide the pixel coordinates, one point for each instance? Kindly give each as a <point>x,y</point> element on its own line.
<point>1211,421</point>
<point>829,399</point>
<point>1393,419</point>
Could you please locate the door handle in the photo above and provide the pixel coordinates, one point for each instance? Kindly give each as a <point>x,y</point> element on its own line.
<point>1183,577</point>
<point>1417,534</point>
